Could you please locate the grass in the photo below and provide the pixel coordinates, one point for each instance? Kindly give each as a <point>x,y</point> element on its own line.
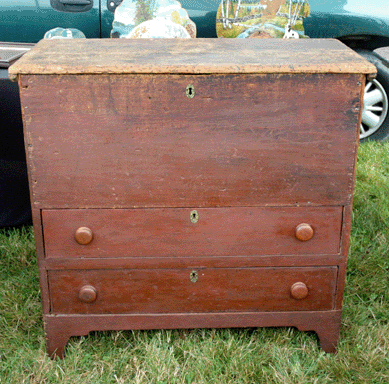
<point>269,355</point>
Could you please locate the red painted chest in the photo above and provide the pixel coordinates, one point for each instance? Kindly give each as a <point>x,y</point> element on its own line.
<point>191,183</point>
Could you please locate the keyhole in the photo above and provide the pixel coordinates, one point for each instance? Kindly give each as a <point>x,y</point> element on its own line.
<point>194,216</point>
<point>194,276</point>
<point>190,92</point>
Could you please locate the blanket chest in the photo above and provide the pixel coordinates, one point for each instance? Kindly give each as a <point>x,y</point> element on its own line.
<point>191,183</point>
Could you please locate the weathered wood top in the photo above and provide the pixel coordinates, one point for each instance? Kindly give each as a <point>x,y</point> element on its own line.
<point>195,56</point>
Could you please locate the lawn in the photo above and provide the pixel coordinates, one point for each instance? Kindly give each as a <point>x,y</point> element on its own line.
<point>271,355</point>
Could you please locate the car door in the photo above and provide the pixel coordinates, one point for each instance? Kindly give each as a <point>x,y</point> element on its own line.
<point>352,21</point>
<point>28,20</point>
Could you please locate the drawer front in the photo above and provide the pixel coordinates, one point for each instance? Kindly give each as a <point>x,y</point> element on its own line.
<point>191,232</point>
<point>192,290</point>
<point>139,141</point>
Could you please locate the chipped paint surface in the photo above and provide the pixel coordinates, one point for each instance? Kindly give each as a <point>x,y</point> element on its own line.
<point>190,56</point>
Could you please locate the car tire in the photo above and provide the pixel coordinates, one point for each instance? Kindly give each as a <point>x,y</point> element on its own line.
<point>375,116</point>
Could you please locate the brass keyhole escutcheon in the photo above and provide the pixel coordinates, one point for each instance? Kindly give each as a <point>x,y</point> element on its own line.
<point>194,217</point>
<point>194,276</point>
<point>190,91</point>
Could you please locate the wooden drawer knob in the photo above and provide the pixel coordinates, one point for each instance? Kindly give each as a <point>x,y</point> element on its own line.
<point>83,235</point>
<point>304,232</point>
<point>299,291</point>
<point>88,294</point>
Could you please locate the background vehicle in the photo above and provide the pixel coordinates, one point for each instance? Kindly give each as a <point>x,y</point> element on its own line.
<point>362,25</point>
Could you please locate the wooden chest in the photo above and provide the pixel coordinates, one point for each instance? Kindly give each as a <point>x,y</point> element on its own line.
<point>191,183</point>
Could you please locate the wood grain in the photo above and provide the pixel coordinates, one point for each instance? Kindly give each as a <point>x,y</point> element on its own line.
<point>200,262</point>
<point>170,233</point>
<point>59,328</point>
<point>118,151</point>
<point>138,141</point>
<point>169,291</point>
<point>200,56</point>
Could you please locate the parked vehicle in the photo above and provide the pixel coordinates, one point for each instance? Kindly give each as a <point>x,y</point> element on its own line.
<point>362,25</point>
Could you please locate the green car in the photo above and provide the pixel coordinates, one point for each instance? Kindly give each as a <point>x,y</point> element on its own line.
<point>362,25</point>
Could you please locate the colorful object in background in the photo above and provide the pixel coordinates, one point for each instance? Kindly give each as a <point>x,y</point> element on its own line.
<point>64,33</point>
<point>262,18</point>
<point>152,19</point>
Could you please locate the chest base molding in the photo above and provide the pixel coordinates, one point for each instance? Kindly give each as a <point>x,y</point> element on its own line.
<point>59,328</point>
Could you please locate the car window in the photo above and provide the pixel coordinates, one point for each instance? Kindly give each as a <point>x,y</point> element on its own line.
<point>373,8</point>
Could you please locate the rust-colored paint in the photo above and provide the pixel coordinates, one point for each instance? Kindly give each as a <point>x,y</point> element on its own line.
<point>83,235</point>
<point>304,232</point>
<point>169,232</point>
<point>152,209</point>
<point>173,291</point>
<point>299,290</point>
<point>217,149</point>
<point>59,328</point>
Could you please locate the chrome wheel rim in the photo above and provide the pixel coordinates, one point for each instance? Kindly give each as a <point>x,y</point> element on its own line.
<point>375,108</point>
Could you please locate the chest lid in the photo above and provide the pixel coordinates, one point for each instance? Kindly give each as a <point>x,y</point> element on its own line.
<point>194,56</point>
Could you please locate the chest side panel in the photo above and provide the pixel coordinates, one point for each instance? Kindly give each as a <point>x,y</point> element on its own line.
<point>140,141</point>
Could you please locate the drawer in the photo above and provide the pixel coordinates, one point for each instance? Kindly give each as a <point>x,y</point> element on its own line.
<point>192,290</point>
<point>188,232</point>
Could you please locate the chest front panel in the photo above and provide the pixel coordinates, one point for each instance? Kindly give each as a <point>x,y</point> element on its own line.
<point>242,140</point>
